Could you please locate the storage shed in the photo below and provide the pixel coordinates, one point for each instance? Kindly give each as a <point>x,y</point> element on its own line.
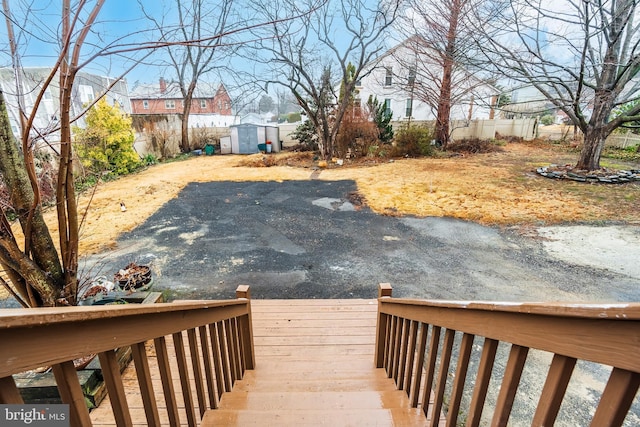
<point>245,137</point>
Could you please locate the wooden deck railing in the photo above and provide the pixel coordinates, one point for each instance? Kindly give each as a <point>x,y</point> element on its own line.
<point>605,334</point>
<point>219,336</point>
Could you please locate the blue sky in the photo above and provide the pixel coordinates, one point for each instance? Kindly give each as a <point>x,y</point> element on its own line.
<point>118,18</point>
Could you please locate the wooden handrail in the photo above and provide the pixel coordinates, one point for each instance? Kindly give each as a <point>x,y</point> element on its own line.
<point>409,345</point>
<point>219,341</point>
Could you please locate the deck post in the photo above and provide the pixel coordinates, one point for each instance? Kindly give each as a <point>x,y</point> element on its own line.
<point>384,291</point>
<point>246,328</point>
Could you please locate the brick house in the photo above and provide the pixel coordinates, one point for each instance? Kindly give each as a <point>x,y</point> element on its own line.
<point>166,98</point>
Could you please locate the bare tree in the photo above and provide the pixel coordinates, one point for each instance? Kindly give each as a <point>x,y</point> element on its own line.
<point>36,272</point>
<point>193,52</point>
<point>305,55</point>
<point>583,56</point>
<point>438,55</point>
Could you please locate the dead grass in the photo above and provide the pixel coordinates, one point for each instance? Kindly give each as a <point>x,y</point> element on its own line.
<point>497,188</point>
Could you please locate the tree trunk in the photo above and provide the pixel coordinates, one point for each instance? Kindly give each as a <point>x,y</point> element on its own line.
<point>67,209</point>
<point>185,145</point>
<point>444,101</point>
<point>594,139</point>
<point>49,280</point>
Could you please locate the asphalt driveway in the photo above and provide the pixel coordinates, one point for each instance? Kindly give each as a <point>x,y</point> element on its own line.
<point>306,239</point>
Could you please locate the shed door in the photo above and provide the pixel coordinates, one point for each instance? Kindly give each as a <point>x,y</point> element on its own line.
<point>247,139</point>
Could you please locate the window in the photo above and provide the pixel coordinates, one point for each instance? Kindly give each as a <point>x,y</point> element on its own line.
<point>169,104</point>
<point>387,106</point>
<point>388,78</point>
<point>145,104</point>
<point>203,103</point>
<point>409,108</point>
<point>412,76</point>
<point>86,93</point>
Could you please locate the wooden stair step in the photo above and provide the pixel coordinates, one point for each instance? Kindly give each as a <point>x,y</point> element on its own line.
<point>270,400</point>
<point>300,384</point>
<point>315,417</point>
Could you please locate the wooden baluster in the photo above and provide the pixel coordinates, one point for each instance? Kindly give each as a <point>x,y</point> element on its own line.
<point>554,389</point>
<point>482,382</point>
<point>181,358</point>
<point>443,370</point>
<point>162,354</point>
<point>431,367</point>
<point>392,350</point>
<point>9,393</point>
<point>246,326</point>
<point>144,382</point>
<point>382,328</point>
<point>230,352</point>
<point>404,346</point>
<point>397,345</point>
<point>241,345</point>
<point>197,370</point>
<point>224,356</point>
<point>387,341</point>
<point>113,380</point>
<point>422,347</point>
<point>217,359</point>
<point>208,368</point>
<point>616,399</point>
<point>510,382</point>
<point>461,375</point>
<point>235,342</point>
<point>413,334</point>
<point>71,393</point>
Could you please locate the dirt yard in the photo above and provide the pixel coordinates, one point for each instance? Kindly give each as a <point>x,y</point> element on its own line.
<point>498,188</point>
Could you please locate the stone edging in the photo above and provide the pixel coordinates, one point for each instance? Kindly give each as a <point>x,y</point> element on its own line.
<point>618,177</point>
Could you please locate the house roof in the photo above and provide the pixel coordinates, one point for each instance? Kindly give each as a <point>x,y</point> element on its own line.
<point>172,90</point>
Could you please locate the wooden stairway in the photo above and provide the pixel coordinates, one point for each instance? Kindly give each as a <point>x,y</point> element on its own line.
<point>314,366</point>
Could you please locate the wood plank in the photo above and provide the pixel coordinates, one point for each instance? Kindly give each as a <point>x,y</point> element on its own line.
<point>314,417</point>
<point>178,343</point>
<point>111,375</point>
<point>482,379</point>
<point>461,374</point>
<point>510,383</point>
<point>285,401</point>
<point>9,393</point>
<point>71,393</point>
<point>616,398</point>
<point>147,393</point>
<point>554,389</point>
<point>208,367</point>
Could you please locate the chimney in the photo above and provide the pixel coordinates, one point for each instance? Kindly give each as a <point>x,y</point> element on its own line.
<point>163,85</point>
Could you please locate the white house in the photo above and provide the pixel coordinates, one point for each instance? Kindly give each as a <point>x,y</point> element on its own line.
<point>403,78</point>
<point>86,88</point>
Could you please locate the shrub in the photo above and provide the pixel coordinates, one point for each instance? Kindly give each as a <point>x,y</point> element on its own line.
<point>547,119</point>
<point>357,134</point>
<point>294,117</point>
<point>106,144</point>
<point>306,135</point>
<point>414,141</point>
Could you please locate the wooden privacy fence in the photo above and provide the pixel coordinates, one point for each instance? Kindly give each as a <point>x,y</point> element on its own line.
<point>605,334</point>
<point>219,349</point>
